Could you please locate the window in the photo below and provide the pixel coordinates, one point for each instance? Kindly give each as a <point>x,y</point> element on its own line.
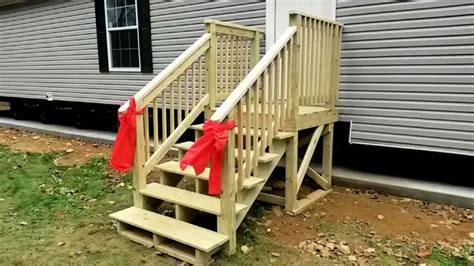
<point>124,35</point>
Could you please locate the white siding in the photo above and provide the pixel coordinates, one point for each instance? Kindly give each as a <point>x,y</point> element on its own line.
<point>407,73</point>
<point>52,46</point>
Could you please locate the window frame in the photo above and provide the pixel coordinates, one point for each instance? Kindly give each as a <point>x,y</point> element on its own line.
<point>109,42</point>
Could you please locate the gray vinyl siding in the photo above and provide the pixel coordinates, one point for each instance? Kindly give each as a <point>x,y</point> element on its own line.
<point>407,73</point>
<point>52,46</point>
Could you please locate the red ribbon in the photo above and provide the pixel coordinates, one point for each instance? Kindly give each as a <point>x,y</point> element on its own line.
<point>124,146</point>
<point>209,147</point>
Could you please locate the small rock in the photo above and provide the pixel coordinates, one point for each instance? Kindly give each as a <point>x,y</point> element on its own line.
<point>422,264</point>
<point>245,249</point>
<point>471,235</point>
<point>61,244</point>
<point>380,217</point>
<point>269,230</point>
<point>121,184</point>
<point>469,217</point>
<point>434,225</point>
<point>352,258</point>
<point>14,138</point>
<point>330,246</point>
<point>278,185</point>
<point>69,144</point>
<point>325,253</point>
<point>344,249</point>
<point>92,200</point>
<point>111,202</point>
<point>36,137</point>
<point>23,223</point>
<point>369,251</point>
<point>78,253</point>
<point>275,254</point>
<point>267,189</point>
<point>273,260</point>
<point>95,145</point>
<point>2,199</point>
<point>302,245</point>
<point>69,150</point>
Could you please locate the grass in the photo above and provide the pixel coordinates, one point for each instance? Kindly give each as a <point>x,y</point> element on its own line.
<point>55,215</point>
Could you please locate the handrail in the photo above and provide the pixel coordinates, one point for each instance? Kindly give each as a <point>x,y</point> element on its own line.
<point>297,12</point>
<point>234,26</point>
<point>144,96</point>
<point>252,77</point>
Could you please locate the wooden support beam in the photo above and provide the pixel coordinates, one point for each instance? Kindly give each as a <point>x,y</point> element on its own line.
<point>308,156</point>
<point>327,154</point>
<point>139,174</point>
<point>304,203</point>
<point>272,199</point>
<point>291,182</point>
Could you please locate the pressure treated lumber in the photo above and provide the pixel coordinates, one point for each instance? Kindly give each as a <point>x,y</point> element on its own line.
<point>187,198</point>
<point>189,234</point>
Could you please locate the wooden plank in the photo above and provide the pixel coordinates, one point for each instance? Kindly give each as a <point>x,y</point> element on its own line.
<point>211,66</point>
<point>291,183</point>
<point>270,198</point>
<point>178,132</point>
<point>308,156</point>
<point>240,147</point>
<point>234,25</point>
<point>279,135</point>
<point>251,182</point>
<point>301,13</point>
<point>310,199</point>
<point>155,124</point>
<point>327,154</point>
<point>188,234</point>
<point>187,198</point>
<point>295,21</point>
<point>175,250</point>
<point>138,236</point>
<point>316,177</point>
<point>139,173</point>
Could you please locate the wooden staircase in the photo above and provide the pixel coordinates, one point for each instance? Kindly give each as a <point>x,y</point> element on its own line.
<point>267,98</point>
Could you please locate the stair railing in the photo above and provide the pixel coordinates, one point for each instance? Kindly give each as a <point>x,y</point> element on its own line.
<point>301,68</point>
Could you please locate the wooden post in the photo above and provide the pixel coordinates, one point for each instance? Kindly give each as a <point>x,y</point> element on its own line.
<point>327,153</point>
<point>139,176</point>
<point>291,172</point>
<point>226,222</point>
<point>211,67</point>
<point>295,68</point>
<point>255,50</point>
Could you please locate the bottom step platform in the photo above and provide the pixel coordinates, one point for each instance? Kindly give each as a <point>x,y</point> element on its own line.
<point>179,239</point>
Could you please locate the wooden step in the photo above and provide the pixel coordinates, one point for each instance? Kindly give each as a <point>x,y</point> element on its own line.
<point>187,198</point>
<point>265,158</point>
<point>173,167</point>
<point>179,231</point>
<point>278,135</point>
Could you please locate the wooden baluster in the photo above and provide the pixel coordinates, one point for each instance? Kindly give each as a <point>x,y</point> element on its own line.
<point>309,85</point>
<point>271,93</point>
<point>233,59</point>
<point>172,107</point>
<point>155,124</point>
<point>255,88</point>
<point>146,129</point>
<point>263,111</point>
<point>220,71</point>
<point>248,136</point>
<point>245,60</point>
<point>240,143</point>
<point>284,81</point>
<point>277,93</point>
<point>180,107</point>
<point>193,84</point>
<point>290,87</point>
<point>317,68</point>
<point>313,62</point>
<point>322,60</point>
<point>164,120</point>
<point>186,91</point>
<point>304,70</point>
<point>228,64</point>
<point>201,79</point>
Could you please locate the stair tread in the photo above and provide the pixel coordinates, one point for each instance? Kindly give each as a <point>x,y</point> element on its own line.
<point>173,167</point>
<point>187,198</point>
<point>278,135</point>
<point>186,233</point>
<point>265,158</point>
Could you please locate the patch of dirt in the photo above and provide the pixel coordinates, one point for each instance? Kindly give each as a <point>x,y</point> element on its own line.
<point>399,218</point>
<point>73,151</point>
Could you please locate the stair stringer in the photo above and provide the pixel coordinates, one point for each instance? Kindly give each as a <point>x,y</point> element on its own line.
<point>248,197</point>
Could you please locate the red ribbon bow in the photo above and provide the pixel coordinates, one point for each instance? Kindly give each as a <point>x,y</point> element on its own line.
<point>124,146</point>
<point>209,147</point>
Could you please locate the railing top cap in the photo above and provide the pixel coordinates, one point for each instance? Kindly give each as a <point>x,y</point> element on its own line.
<point>234,25</point>
<point>297,12</point>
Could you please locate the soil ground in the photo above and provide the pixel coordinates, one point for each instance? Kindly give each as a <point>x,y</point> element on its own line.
<point>56,195</point>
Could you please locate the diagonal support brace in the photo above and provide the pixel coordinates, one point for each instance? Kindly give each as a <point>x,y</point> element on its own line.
<point>308,156</point>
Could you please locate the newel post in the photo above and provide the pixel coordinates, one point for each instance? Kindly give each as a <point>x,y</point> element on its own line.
<point>139,175</point>
<point>211,68</point>
<point>226,222</point>
<point>295,66</point>
<point>255,49</point>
